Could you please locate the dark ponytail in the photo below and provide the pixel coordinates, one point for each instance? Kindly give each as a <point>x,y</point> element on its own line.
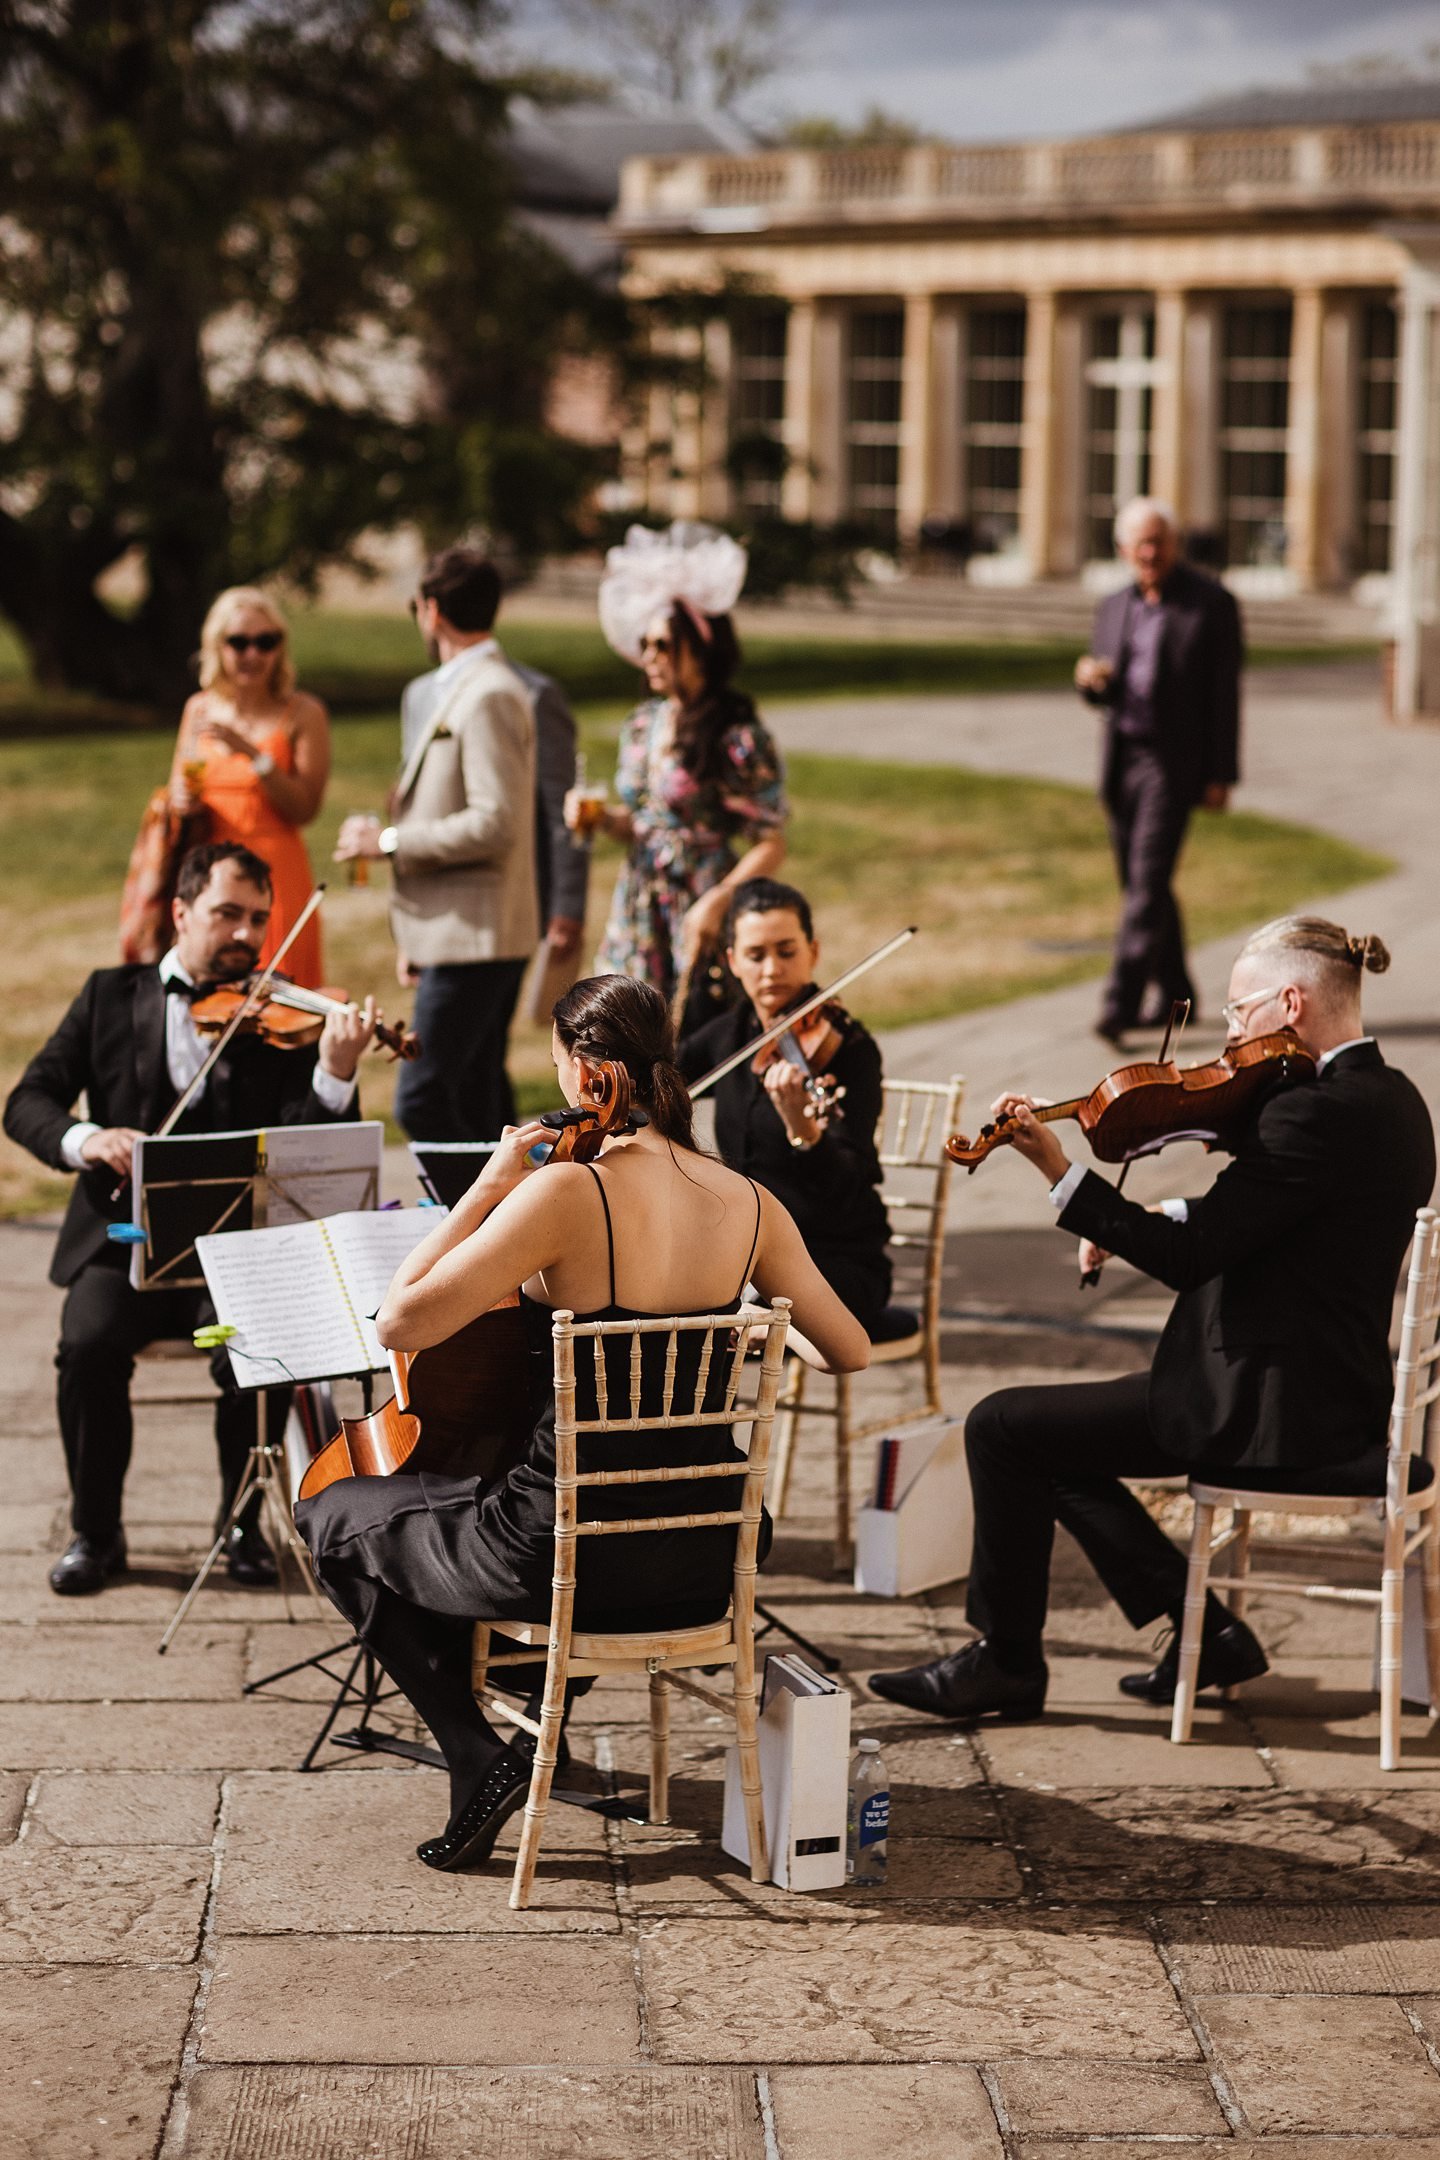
<point>700,728</point>
<point>624,1020</point>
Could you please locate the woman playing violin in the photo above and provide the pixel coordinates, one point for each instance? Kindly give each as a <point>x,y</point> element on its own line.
<point>651,1227</point>
<point>1275,1356</point>
<point>808,1138</point>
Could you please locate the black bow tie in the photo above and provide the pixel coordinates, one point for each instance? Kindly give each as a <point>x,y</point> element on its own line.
<point>174,987</point>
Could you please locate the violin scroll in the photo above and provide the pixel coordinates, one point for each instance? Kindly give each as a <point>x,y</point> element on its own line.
<point>607,1106</point>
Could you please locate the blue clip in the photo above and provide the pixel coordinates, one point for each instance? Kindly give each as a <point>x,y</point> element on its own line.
<point>125,1233</point>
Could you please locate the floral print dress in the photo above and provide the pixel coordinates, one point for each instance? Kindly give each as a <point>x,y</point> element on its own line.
<point>688,834</point>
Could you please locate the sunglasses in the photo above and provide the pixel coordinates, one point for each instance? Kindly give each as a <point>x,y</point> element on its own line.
<point>655,645</point>
<point>263,641</point>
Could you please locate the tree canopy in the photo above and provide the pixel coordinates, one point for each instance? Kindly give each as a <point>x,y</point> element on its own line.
<point>263,290</point>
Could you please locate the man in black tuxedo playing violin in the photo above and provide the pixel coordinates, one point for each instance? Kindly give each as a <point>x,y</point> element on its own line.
<point>1275,1356</point>
<point>775,1127</point>
<point>129,1042</point>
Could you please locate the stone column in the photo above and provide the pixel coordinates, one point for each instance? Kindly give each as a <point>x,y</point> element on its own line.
<point>1338,506</point>
<point>1037,457</point>
<point>714,492</point>
<point>1417,475</point>
<point>1302,445</point>
<point>799,400</point>
<point>827,414</point>
<point>1167,405</point>
<point>1199,448</point>
<point>917,437</point>
<point>947,411</point>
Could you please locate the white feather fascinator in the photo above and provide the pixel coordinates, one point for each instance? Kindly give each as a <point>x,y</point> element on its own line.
<point>701,569</point>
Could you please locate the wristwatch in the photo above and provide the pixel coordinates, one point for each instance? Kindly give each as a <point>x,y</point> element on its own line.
<point>798,1140</point>
<point>263,763</point>
<point>388,840</point>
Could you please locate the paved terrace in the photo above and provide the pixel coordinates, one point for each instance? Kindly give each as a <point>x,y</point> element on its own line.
<point>1089,1937</point>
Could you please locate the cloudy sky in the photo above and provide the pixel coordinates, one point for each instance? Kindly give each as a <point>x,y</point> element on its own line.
<point>992,68</point>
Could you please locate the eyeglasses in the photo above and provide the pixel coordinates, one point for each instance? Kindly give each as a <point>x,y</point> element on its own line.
<point>655,645</point>
<point>1231,1013</point>
<point>263,641</point>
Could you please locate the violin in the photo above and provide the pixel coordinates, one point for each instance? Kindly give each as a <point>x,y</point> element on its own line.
<point>1139,1109</point>
<point>287,1017</point>
<point>811,1045</point>
<point>461,1408</point>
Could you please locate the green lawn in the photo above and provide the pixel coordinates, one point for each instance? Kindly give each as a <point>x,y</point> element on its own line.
<point>1009,879</point>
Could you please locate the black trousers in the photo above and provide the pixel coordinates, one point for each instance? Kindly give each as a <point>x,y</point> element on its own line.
<point>1148,818</point>
<point>458,1088</point>
<point>104,1323</point>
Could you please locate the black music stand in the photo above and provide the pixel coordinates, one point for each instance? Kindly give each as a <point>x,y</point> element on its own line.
<point>448,1168</point>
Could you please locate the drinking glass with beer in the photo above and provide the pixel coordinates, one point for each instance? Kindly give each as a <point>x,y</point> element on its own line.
<point>585,806</point>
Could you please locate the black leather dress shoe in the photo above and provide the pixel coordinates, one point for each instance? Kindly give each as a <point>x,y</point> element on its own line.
<point>968,1684</point>
<point>1228,1655</point>
<point>470,1838</point>
<point>86,1564</point>
<point>248,1557</point>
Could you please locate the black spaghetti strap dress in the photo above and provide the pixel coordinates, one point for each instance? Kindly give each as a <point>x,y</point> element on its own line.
<point>473,1550</point>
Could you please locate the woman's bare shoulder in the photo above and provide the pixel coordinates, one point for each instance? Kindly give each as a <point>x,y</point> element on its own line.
<point>307,710</point>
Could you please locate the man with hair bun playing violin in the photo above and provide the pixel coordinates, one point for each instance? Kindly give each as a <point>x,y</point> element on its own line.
<point>809,1140</point>
<point>129,1042</point>
<point>1275,1356</point>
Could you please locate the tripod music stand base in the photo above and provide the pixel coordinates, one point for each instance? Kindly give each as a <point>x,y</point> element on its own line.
<point>366,1741</point>
<point>774,1624</point>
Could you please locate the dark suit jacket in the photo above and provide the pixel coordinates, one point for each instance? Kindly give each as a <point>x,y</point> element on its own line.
<point>1277,1350</point>
<point>111,1043</point>
<point>832,1189</point>
<point>1197,684</point>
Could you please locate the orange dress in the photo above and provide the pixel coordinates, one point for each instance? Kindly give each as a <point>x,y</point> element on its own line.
<point>240,810</point>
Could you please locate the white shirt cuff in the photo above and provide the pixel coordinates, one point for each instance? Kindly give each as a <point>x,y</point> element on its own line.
<point>72,1143</point>
<point>336,1095</point>
<point>1177,1210</point>
<point>1063,1191</point>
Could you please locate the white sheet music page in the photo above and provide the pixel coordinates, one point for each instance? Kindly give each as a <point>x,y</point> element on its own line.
<point>369,1246</point>
<point>315,1170</point>
<point>284,1296</point>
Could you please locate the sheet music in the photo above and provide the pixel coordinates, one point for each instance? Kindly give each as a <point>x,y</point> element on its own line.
<point>315,1170</point>
<point>299,1295</point>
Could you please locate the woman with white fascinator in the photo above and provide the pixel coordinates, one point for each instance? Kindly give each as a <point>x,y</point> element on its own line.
<point>700,784</point>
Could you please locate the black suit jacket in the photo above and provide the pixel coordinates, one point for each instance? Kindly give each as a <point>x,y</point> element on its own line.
<point>111,1043</point>
<point>1197,683</point>
<point>1277,1351</point>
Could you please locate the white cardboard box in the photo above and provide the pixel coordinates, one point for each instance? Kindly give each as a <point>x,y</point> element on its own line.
<point>925,1538</point>
<point>804,1771</point>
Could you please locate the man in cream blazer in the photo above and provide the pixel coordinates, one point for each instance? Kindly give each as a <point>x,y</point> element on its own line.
<point>462,852</point>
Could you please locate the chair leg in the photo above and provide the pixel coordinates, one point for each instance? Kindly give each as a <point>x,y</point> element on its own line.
<point>1239,1557</point>
<point>659,1811</point>
<point>479,1658</point>
<point>844,1540</point>
<point>552,1719</point>
<point>1188,1672</point>
<point>1430,1587</point>
<point>791,1403</point>
<point>1392,1641</point>
<point>748,1748</point>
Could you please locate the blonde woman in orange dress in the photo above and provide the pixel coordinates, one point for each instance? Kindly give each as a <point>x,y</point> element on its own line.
<point>255,753</point>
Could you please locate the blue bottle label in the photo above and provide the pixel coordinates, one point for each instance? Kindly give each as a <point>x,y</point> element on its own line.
<point>874,1825</point>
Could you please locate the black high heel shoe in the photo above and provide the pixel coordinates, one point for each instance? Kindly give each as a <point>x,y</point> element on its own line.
<point>470,1838</point>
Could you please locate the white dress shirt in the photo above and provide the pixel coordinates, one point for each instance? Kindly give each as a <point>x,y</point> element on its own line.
<point>185,1052</point>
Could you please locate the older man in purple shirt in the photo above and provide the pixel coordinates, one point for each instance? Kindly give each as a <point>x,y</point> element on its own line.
<point>1164,667</point>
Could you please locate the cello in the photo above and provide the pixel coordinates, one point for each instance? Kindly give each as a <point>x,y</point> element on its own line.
<point>461,1407</point>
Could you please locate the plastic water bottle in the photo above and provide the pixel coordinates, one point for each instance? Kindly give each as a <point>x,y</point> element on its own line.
<point>868,1818</point>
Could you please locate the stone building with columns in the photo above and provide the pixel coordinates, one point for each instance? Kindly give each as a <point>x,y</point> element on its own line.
<point>988,347</point>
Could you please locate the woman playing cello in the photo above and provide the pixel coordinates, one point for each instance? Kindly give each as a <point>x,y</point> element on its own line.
<point>652,1227</point>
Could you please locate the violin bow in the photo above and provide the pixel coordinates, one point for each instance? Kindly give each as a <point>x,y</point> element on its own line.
<point>788,1020</point>
<point>1174,1028</point>
<point>253,997</point>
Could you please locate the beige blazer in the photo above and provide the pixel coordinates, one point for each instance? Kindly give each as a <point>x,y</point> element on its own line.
<point>464,814</point>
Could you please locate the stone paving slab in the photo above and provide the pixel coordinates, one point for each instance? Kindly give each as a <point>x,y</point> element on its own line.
<point>938,2112</point>
<point>123,1807</point>
<point>1343,1753</point>
<point>947,1987</point>
<point>296,1863</point>
<point>103,1661</point>
<point>427,2000</point>
<point>666,1874</point>
<point>1159,1848</point>
<point>236,1735</point>
<point>1109,2099</point>
<point>1307,1950</point>
<point>147,1594</point>
<point>1324,2064</point>
<point>88,2060</point>
<point>13,1789</point>
<point>31,1526</point>
<point>100,1905</point>
<point>1240,2148</point>
<point>1070,1748</point>
<point>286,2113</point>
